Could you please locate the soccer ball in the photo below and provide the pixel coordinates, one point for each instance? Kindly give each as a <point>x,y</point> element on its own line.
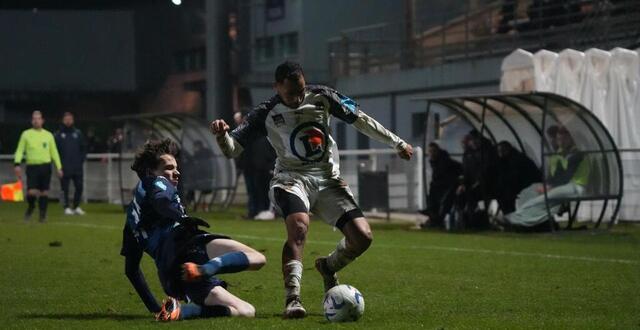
<point>343,303</point>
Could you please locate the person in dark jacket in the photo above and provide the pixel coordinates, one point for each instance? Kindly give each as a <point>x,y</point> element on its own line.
<point>517,172</point>
<point>73,151</point>
<point>444,179</point>
<point>258,170</point>
<point>479,167</point>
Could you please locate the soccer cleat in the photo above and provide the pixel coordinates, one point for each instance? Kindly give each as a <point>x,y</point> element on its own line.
<point>68,211</point>
<point>294,309</point>
<point>191,272</point>
<point>170,310</point>
<point>78,211</point>
<point>330,278</point>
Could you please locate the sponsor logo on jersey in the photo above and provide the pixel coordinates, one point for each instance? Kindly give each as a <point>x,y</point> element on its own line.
<point>348,103</point>
<point>309,142</point>
<point>161,185</point>
<point>278,120</point>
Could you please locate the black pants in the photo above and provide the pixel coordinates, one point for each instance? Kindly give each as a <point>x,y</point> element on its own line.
<point>77,185</point>
<point>439,203</point>
<point>258,190</point>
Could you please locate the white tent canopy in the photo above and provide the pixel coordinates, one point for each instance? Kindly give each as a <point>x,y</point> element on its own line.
<point>517,72</point>
<point>624,76</point>
<point>569,73</point>
<point>596,84</point>
<point>544,65</point>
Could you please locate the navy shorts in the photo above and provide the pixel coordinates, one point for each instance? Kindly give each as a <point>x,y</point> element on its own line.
<point>39,176</point>
<point>194,250</point>
<point>197,253</point>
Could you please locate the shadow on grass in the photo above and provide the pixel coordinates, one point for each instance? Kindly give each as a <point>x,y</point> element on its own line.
<point>85,316</point>
<point>279,316</point>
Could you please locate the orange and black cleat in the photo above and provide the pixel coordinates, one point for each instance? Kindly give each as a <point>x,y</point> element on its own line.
<point>191,272</point>
<point>170,310</point>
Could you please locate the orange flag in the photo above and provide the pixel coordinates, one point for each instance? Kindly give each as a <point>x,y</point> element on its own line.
<point>12,192</point>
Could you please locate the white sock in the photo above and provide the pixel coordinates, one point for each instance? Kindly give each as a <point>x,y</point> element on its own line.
<point>292,278</point>
<point>339,258</point>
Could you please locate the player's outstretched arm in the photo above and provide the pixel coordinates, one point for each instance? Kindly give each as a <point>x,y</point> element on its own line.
<point>132,252</point>
<point>229,146</point>
<point>136,277</point>
<point>371,128</point>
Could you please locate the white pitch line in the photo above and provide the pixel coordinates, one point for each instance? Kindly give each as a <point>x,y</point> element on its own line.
<point>414,247</point>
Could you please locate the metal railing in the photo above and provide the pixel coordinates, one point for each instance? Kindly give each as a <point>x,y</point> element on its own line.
<point>108,178</point>
<point>484,33</point>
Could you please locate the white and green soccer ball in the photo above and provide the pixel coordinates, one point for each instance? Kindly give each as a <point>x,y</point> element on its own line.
<point>343,303</point>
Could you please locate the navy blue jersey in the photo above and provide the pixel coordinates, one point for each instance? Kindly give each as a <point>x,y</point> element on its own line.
<point>151,217</point>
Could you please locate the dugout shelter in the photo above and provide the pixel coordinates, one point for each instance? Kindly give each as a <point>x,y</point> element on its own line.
<point>523,119</point>
<point>207,176</point>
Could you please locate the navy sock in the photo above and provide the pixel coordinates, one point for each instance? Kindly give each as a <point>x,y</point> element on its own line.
<point>231,262</point>
<point>191,310</point>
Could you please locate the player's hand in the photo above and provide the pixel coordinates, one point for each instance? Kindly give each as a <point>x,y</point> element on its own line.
<point>60,173</point>
<point>18,171</point>
<point>193,221</point>
<point>218,127</point>
<point>406,152</point>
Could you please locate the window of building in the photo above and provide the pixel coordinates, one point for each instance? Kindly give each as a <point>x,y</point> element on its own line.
<point>264,49</point>
<point>190,60</point>
<point>288,44</point>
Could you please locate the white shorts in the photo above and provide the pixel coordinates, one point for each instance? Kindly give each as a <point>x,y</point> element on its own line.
<point>329,198</point>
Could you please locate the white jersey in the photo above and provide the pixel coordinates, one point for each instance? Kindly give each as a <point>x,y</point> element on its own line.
<point>301,137</point>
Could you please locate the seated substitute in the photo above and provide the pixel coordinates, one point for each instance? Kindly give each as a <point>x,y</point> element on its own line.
<point>444,181</point>
<point>517,172</point>
<point>569,171</point>
<point>187,258</point>
<point>479,169</point>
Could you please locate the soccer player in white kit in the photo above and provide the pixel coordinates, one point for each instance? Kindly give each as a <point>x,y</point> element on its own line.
<point>307,178</point>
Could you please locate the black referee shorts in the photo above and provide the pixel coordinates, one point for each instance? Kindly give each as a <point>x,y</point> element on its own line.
<point>39,176</point>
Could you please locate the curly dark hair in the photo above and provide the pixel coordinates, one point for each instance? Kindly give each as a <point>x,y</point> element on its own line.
<point>147,157</point>
<point>288,70</point>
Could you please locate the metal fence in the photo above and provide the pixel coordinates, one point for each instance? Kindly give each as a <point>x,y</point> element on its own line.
<point>108,177</point>
<point>485,32</point>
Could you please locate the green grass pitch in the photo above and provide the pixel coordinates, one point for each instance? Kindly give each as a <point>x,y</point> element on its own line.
<point>409,279</point>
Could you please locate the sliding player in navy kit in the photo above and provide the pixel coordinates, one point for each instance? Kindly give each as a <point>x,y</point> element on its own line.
<point>187,258</point>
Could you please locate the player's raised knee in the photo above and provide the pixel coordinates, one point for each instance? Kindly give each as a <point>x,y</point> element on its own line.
<point>366,238</point>
<point>246,310</point>
<point>256,259</point>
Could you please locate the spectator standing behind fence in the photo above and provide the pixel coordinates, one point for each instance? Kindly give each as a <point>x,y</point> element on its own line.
<point>38,147</point>
<point>257,166</point>
<point>114,144</point>
<point>73,151</point>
